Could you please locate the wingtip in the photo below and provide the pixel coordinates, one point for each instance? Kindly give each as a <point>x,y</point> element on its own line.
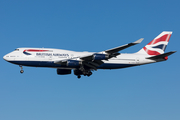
<point>139,41</point>
<point>172,52</point>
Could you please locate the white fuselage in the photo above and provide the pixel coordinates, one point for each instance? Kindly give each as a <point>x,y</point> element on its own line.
<point>45,57</point>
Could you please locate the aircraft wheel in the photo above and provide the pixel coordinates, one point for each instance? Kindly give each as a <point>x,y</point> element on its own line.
<point>90,73</point>
<point>21,71</point>
<point>79,76</point>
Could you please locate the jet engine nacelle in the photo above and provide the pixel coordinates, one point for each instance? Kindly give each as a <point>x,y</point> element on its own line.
<point>63,71</point>
<point>100,57</point>
<point>73,63</point>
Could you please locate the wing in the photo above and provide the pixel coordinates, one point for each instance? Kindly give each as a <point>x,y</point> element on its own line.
<point>117,49</point>
<point>111,52</point>
<point>94,60</point>
<point>87,61</point>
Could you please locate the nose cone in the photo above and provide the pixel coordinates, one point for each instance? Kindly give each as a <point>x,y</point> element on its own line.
<point>5,58</point>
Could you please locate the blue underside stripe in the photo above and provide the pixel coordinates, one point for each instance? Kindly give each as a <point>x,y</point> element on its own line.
<point>52,64</point>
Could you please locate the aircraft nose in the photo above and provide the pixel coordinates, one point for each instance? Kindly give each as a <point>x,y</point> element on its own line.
<point>5,57</point>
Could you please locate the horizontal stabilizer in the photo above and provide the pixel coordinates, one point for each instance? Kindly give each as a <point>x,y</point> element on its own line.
<point>161,55</point>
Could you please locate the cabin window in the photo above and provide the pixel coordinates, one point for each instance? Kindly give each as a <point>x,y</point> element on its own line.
<point>16,50</point>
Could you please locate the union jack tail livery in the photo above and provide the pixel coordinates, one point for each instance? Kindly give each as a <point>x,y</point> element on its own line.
<point>158,45</point>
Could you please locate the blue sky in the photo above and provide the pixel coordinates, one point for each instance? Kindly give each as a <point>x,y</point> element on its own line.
<point>138,93</point>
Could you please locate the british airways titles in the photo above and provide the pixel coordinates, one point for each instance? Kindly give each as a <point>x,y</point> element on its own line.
<point>52,54</point>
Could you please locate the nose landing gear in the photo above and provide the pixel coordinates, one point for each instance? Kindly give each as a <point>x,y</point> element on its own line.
<point>21,71</point>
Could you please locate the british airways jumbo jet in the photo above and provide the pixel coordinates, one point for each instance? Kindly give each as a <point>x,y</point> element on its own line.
<point>83,63</point>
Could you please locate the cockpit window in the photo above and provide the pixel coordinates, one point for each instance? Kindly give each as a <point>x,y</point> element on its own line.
<point>16,50</point>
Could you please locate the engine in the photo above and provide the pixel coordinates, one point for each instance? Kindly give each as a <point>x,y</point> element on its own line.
<point>100,57</point>
<point>63,71</point>
<point>73,63</point>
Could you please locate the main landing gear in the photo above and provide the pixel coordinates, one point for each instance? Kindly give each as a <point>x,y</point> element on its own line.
<point>82,71</point>
<point>78,73</point>
<point>79,76</point>
<point>21,71</point>
<point>87,73</point>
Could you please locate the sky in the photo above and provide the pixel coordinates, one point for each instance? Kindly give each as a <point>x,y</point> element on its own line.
<point>147,92</point>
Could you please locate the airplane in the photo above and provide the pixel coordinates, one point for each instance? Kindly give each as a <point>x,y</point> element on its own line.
<point>83,63</point>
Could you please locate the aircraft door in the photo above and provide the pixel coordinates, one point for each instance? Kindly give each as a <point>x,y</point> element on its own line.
<point>137,60</point>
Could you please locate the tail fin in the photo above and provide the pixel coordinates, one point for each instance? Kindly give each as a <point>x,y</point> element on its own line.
<point>158,45</point>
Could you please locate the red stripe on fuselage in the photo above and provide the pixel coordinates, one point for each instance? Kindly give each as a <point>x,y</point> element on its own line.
<point>34,50</point>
